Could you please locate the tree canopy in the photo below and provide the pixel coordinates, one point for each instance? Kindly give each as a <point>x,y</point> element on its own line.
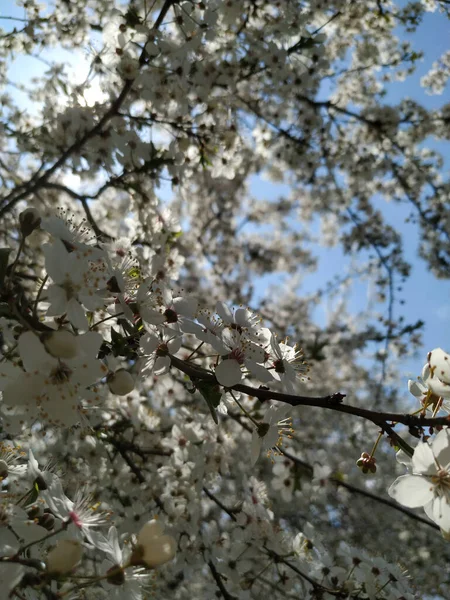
<point>175,420</point>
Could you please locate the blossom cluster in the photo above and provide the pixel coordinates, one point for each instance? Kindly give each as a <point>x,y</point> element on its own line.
<point>76,366</point>
<point>160,436</point>
<point>428,482</point>
<point>55,376</point>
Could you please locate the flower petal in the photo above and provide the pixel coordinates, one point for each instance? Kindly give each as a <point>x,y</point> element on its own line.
<point>438,510</point>
<point>423,459</point>
<point>33,353</point>
<point>412,491</point>
<point>441,447</point>
<point>228,373</point>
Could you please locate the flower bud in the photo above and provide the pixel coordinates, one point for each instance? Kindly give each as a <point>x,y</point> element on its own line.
<point>154,548</point>
<point>47,521</point>
<point>367,463</point>
<point>121,382</point>
<point>29,220</point>
<point>64,556</point>
<point>61,344</point>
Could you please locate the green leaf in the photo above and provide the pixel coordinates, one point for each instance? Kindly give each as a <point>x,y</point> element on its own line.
<point>4,257</point>
<point>211,392</point>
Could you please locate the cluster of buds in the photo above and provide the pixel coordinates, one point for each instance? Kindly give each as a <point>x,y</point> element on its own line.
<point>367,463</point>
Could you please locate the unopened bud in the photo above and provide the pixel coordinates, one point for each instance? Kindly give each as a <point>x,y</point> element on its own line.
<point>61,344</point>
<point>121,382</point>
<point>367,463</point>
<point>47,521</point>
<point>64,557</point>
<point>154,547</point>
<point>29,220</point>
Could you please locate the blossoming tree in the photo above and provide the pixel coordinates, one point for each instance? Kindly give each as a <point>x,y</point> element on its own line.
<point>161,435</point>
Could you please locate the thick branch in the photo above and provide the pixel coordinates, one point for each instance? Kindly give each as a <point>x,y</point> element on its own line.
<point>331,402</point>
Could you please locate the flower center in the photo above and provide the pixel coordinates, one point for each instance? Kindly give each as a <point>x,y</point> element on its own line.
<point>238,355</point>
<point>442,481</point>
<point>171,315</point>
<point>162,350</point>
<point>279,366</point>
<point>60,374</point>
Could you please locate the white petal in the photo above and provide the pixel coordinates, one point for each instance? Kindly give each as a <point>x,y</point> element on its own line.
<point>412,491</point>
<point>89,343</point>
<point>441,447</point>
<point>149,343</point>
<point>91,301</point>
<point>423,459</point>
<point>228,373</point>
<point>152,316</point>
<point>438,510</point>
<point>162,365</point>
<point>242,316</point>
<point>185,306</point>
<point>76,314</point>
<point>174,344</point>
<point>254,352</point>
<point>260,372</point>
<point>55,260</point>
<point>58,300</point>
<point>404,458</point>
<point>438,387</point>
<point>224,312</point>
<point>8,374</point>
<point>33,353</point>
<point>191,327</point>
<point>416,388</point>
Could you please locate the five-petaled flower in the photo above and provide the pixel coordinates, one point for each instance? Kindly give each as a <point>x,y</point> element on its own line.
<point>429,483</point>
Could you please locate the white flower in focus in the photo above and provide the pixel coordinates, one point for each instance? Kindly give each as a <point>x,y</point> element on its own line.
<point>242,319</point>
<point>432,389</point>
<point>158,306</point>
<point>239,351</point>
<point>121,583</point>
<point>75,236</point>
<point>429,483</point>
<point>10,456</point>
<point>288,365</point>
<point>41,478</point>
<point>154,547</point>
<point>82,511</point>
<point>156,349</point>
<point>269,433</point>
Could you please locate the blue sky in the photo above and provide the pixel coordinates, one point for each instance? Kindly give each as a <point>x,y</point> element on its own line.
<point>426,298</point>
